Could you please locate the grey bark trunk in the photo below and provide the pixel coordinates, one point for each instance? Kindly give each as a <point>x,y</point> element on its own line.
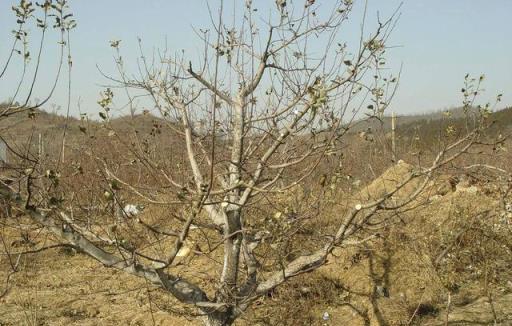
<point>218,320</point>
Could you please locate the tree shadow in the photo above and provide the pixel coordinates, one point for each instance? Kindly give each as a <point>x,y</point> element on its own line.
<point>380,286</point>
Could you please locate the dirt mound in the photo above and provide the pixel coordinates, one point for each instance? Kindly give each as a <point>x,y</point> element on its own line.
<point>387,182</point>
<point>441,243</point>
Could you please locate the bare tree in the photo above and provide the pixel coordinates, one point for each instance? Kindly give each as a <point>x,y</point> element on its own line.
<point>46,16</point>
<point>21,68</point>
<point>263,109</point>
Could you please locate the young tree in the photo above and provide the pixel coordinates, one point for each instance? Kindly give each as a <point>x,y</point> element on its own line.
<point>264,108</point>
<point>28,59</point>
<point>20,71</point>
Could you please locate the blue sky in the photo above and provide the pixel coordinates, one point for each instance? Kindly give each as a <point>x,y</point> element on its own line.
<point>437,41</point>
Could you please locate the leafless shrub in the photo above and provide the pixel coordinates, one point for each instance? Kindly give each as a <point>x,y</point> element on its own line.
<point>235,185</point>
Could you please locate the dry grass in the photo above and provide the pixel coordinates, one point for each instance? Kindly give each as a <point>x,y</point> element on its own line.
<point>391,280</point>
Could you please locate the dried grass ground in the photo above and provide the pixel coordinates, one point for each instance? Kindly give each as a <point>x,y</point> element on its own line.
<point>76,290</point>
<point>392,280</point>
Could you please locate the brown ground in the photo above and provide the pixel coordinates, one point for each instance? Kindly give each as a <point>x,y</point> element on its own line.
<point>78,291</point>
<point>389,281</point>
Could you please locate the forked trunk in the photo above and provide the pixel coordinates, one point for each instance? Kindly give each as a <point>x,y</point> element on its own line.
<point>220,319</point>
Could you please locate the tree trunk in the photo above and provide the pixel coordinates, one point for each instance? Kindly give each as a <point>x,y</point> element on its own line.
<point>218,319</point>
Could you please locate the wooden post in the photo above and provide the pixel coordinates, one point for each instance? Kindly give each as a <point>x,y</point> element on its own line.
<point>393,136</point>
<point>3,153</point>
<point>63,148</point>
<point>40,147</point>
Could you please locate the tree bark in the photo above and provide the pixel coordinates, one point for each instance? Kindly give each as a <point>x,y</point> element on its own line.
<point>218,319</point>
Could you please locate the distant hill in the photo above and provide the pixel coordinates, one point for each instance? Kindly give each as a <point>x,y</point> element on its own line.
<point>503,119</point>
<point>23,126</point>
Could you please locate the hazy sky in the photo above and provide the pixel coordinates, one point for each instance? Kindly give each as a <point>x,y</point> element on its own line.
<point>437,41</point>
